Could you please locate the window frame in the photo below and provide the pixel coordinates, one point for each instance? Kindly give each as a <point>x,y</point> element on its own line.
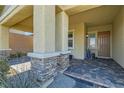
<point>71,38</point>
<point>95,41</point>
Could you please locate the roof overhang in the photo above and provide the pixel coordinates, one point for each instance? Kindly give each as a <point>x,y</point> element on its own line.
<point>16,14</point>
<point>74,9</point>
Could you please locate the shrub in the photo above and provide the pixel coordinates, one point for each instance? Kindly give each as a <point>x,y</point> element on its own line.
<point>17,55</point>
<point>20,54</point>
<point>4,68</point>
<point>22,80</point>
<point>13,55</point>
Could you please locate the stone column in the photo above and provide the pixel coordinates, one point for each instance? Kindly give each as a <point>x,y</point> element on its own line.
<point>62,39</point>
<point>44,57</point>
<point>4,42</point>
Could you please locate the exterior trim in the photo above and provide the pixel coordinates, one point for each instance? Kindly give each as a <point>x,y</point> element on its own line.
<point>47,55</point>
<point>9,10</point>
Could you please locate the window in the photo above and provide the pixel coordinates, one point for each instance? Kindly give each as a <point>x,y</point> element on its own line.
<point>92,41</point>
<point>71,40</point>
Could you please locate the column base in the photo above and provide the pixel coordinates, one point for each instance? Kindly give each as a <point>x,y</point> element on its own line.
<point>63,60</point>
<point>46,65</point>
<point>4,53</point>
<point>43,65</point>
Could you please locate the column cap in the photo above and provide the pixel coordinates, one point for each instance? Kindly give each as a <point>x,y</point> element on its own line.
<point>5,49</point>
<point>47,55</point>
<point>65,52</point>
<point>43,55</point>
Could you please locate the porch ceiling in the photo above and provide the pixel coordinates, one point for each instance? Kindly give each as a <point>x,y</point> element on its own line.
<point>74,9</point>
<point>97,16</point>
<point>25,25</point>
<point>18,15</point>
<point>91,14</point>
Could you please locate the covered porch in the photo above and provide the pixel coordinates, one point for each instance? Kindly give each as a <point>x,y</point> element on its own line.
<point>60,31</point>
<point>99,72</point>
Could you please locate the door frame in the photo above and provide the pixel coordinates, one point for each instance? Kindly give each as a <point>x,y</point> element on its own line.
<point>96,33</point>
<point>109,45</point>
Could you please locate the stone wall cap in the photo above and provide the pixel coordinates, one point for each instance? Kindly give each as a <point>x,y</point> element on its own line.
<point>65,52</point>
<point>43,55</point>
<point>5,49</point>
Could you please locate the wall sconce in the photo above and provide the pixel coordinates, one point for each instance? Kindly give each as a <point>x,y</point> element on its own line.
<point>86,36</point>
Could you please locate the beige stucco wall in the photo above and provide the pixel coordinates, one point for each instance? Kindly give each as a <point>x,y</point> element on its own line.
<point>44,28</point>
<point>58,29</point>
<point>79,40</point>
<point>61,32</point>
<point>20,43</point>
<point>118,38</point>
<point>4,37</point>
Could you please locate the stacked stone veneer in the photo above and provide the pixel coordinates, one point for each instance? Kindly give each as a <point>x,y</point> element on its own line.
<point>46,68</point>
<point>4,54</point>
<point>63,61</point>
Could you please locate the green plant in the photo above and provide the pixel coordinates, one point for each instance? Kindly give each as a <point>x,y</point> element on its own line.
<point>20,54</point>
<point>22,80</point>
<point>17,55</point>
<point>13,55</point>
<point>4,68</point>
<point>3,83</point>
<point>18,80</point>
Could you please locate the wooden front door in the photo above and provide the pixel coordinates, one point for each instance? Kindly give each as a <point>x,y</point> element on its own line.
<point>103,44</point>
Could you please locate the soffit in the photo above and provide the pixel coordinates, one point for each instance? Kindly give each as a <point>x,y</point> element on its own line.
<point>21,13</point>
<point>97,16</point>
<point>25,25</point>
<point>74,9</point>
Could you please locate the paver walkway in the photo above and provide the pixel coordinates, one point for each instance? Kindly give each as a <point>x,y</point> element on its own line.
<point>102,72</point>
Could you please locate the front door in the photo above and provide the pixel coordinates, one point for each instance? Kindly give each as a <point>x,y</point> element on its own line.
<point>103,42</point>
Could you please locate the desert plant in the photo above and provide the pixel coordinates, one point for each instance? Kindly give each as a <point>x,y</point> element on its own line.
<point>4,68</point>
<point>25,79</point>
<point>3,83</point>
<point>17,55</point>
<point>20,54</point>
<point>13,55</point>
<point>22,80</point>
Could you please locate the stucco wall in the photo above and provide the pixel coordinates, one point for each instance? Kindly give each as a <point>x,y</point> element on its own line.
<point>61,32</point>
<point>44,28</point>
<point>118,38</point>
<point>79,41</point>
<point>4,37</point>
<point>20,43</point>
